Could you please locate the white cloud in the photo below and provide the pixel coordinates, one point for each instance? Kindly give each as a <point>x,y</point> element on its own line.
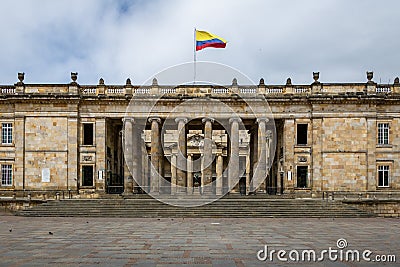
<point>270,39</point>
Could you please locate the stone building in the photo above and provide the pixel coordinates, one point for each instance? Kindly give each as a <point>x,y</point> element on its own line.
<point>77,139</point>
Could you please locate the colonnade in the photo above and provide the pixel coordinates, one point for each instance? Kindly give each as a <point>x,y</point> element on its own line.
<point>182,162</point>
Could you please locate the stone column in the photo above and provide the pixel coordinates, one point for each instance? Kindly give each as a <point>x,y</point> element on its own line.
<point>253,156</point>
<point>219,169</point>
<point>137,156</point>
<point>248,171</point>
<point>181,157</point>
<point>207,156</point>
<point>261,169</point>
<point>155,155</point>
<point>190,174</point>
<point>173,174</point>
<point>128,149</point>
<point>145,170</point>
<point>233,171</point>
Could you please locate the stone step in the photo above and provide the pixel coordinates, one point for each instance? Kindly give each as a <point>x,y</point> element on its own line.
<point>226,207</point>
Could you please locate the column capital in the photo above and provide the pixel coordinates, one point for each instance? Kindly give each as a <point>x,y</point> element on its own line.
<point>128,119</point>
<point>179,119</point>
<point>204,120</point>
<point>157,119</point>
<point>235,119</point>
<point>265,120</point>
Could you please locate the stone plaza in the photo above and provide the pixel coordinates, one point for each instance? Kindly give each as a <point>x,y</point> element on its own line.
<point>188,241</point>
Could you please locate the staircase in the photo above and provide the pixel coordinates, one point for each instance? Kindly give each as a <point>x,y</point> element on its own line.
<point>230,207</point>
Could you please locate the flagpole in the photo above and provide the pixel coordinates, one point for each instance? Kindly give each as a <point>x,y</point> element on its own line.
<point>194,57</point>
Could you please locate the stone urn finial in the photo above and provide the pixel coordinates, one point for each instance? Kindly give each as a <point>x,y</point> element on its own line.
<point>21,76</point>
<point>234,82</point>
<point>101,81</point>
<point>261,82</point>
<point>128,82</point>
<point>74,76</point>
<point>155,82</point>
<point>288,81</point>
<point>370,75</point>
<point>396,81</point>
<point>316,77</point>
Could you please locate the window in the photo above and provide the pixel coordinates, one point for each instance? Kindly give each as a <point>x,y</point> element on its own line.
<point>6,175</point>
<point>383,133</point>
<point>302,173</point>
<point>6,133</point>
<point>87,175</point>
<point>383,176</point>
<point>302,134</point>
<point>88,134</point>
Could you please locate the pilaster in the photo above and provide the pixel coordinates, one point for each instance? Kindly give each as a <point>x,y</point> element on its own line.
<point>317,160</point>
<point>288,155</point>
<point>100,136</point>
<point>371,154</point>
<point>19,142</point>
<point>73,164</point>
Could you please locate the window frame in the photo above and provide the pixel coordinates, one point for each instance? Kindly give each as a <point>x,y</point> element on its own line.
<point>83,133</point>
<point>9,134</point>
<point>383,133</point>
<point>382,169</point>
<point>306,134</point>
<point>307,183</point>
<point>82,175</point>
<point>9,180</point>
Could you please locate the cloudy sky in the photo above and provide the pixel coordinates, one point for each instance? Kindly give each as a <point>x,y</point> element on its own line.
<point>342,39</point>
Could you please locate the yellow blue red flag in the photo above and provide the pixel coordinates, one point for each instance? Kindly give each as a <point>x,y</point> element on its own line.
<point>205,39</point>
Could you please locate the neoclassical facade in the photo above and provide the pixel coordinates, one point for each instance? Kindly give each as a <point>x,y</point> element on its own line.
<point>200,139</point>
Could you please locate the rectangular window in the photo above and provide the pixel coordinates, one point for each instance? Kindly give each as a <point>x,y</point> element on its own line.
<point>88,134</point>
<point>383,176</point>
<point>6,175</point>
<point>302,174</point>
<point>302,134</point>
<point>6,133</point>
<point>383,133</point>
<point>87,175</point>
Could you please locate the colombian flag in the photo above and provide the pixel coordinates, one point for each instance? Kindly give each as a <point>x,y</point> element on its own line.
<point>206,39</point>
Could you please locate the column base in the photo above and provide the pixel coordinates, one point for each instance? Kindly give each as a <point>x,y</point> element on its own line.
<point>190,190</point>
<point>181,192</point>
<point>197,191</point>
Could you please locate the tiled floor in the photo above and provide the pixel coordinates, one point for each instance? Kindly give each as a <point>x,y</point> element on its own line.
<point>189,242</point>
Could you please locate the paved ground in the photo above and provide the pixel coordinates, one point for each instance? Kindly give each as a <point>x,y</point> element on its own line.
<point>189,242</point>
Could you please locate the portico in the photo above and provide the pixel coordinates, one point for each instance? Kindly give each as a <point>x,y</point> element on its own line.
<point>203,155</point>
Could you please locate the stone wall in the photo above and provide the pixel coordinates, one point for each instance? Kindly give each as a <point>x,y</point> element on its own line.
<point>383,208</point>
